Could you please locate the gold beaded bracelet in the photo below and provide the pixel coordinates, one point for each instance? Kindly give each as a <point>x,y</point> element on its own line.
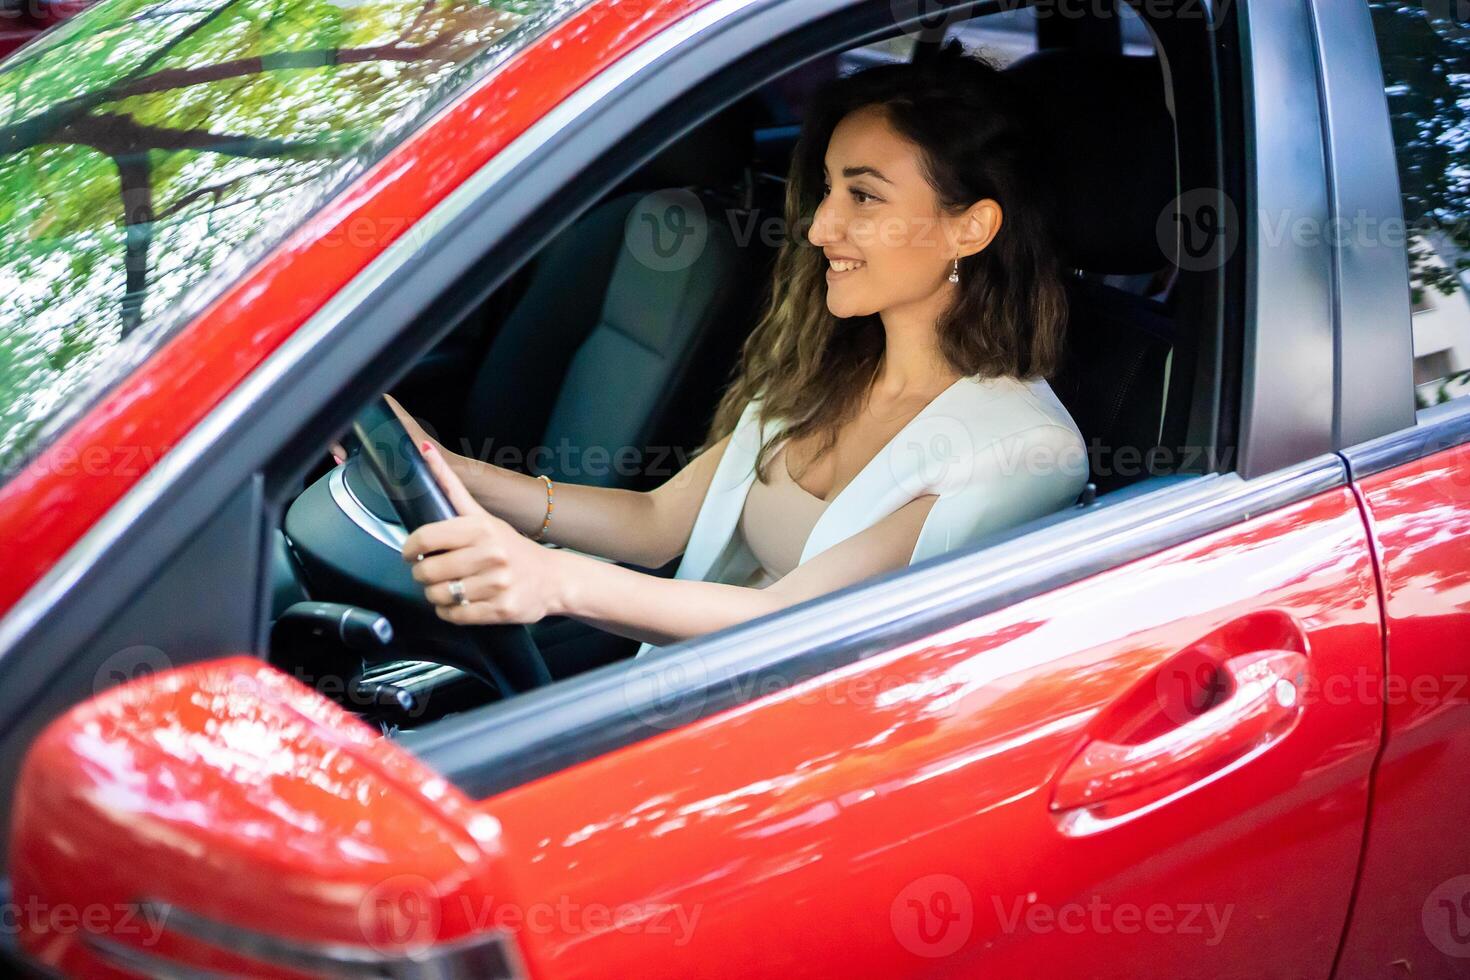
<point>541,534</point>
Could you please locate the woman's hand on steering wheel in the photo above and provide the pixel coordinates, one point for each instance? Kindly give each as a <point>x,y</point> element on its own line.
<point>476,569</point>
<point>411,425</point>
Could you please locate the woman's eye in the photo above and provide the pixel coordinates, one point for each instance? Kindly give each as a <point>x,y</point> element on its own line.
<point>862,197</point>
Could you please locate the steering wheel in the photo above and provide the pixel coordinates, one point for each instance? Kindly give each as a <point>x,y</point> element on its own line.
<point>508,658</point>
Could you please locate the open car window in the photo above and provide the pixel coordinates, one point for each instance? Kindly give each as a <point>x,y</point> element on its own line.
<point>150,149</point>
<point>542,379</point>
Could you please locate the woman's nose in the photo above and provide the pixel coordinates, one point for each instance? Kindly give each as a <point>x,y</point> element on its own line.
<point>825,229</point>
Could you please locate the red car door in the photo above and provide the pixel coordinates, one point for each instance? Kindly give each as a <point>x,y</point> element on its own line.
<point>1411,916</point>
<point>1413,912</point>
<point>1150,772</point>
<point>1161,769</point>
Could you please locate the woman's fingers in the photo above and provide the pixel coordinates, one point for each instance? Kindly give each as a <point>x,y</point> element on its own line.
<point>464,563</point>
<point>457,564</point>
<point>484,587</point>
<point>449,480</point>
<point>409,422</point>
<point>457,532</point>
<point>483,614</point>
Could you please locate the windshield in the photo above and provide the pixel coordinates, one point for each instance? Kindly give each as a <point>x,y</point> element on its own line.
<point>150,148</point>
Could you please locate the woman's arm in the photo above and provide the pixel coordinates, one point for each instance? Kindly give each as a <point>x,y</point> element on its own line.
<point>646,529</point>
<point>507,579</point>
<point>662,611</point>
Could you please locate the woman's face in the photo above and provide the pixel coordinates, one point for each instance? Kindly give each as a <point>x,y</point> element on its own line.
<point>889,246</point>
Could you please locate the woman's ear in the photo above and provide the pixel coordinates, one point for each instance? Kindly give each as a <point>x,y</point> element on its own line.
<point>978,226</point>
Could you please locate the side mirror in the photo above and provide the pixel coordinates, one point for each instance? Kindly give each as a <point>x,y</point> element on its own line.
<point>223,818</point>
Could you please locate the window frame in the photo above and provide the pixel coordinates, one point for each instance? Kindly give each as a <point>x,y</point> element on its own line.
<point>1373,299</point>
<point>368,335</point>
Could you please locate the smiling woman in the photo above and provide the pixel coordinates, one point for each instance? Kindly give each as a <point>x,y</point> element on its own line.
<point>901,361</point>
<point>151,148</point>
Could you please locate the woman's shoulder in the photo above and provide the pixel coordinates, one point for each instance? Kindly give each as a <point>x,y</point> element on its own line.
<point>1003,428</point>
<point>998,409</point>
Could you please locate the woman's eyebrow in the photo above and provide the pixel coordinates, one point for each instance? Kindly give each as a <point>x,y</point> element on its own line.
<point>850,172</point>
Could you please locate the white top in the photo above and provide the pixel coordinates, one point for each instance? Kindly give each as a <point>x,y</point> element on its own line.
<point>775,522</point>
<point>998,452</point>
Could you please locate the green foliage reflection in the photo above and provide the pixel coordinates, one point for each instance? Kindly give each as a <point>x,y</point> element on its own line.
<point>149,148</point>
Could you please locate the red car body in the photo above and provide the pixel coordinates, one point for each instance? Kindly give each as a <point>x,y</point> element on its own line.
<point>1034,789</point>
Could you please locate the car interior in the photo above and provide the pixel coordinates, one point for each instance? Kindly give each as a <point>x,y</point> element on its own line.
<point>586,345</point>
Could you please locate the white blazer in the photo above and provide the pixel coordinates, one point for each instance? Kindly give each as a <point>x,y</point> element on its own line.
<point>998,452</point>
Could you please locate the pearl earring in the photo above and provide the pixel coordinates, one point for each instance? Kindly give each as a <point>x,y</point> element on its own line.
<point>954,275</point>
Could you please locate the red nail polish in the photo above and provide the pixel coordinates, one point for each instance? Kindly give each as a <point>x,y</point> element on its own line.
<point>426,447</point>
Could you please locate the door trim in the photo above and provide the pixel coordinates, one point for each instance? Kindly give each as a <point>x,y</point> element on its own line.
<point>1288,362</point>
<point>1375,350</point>
<point>1443,426</point>
<point>491,749</point>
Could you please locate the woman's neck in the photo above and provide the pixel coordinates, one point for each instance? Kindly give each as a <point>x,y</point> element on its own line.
<point>912,363</point>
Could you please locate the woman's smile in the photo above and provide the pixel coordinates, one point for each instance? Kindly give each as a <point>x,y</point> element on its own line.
<point>840,268</point>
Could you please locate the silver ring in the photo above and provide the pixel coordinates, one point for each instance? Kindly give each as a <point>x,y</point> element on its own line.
<point>456,590</point>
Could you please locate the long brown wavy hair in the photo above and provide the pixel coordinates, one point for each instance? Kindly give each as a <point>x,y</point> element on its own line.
<point>812,369</point>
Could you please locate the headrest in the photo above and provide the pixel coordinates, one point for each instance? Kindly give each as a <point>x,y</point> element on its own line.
<point>713,154</point>
<point>1107,135</point>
